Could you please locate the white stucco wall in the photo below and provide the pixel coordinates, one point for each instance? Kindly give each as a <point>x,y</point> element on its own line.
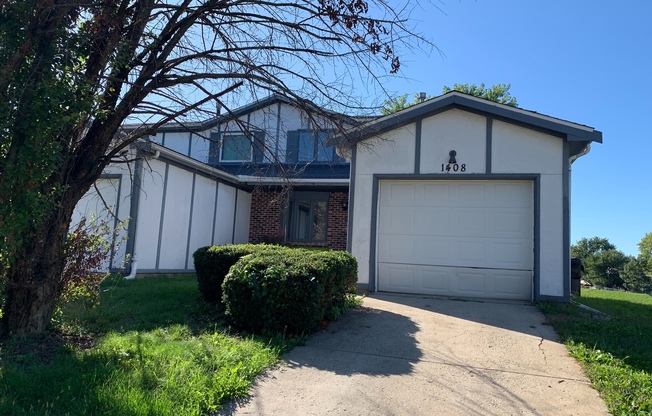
<point>442,133</point>
<point>391,153</point>
<point>551,236</point>
<point>522,150</point>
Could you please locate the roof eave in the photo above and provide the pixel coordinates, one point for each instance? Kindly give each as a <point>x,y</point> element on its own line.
<point>459,100</point>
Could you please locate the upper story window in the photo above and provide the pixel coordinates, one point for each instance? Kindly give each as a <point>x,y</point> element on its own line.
<point>312,146</point>
<point>235,148</point>
<point>309,146</point>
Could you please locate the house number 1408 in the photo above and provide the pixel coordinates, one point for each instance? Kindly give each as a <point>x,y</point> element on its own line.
<point>453,166</point>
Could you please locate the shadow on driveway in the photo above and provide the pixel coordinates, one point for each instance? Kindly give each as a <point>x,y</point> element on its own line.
<point>407,355</point>
<point>364,341</point>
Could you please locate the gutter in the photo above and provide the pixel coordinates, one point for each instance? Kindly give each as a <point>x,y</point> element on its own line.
<point>195,164</point>
<point>584,151</point>
<point>256,180</point>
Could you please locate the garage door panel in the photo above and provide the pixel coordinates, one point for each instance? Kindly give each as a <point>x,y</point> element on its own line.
<point>401,278</point>
<point>470,193</point>
<point>473,283</point>
<point>511,284</point>
<point>408,249</point>
<point>454,281</point>
<point>455,251</point>
<point>398,194</point>
<point>456,237</point>
<point>435,280</point>
<point>509,222</point>
<point>511,194</point>
<point>398,219</point>
<point>516,255</point>
<point>435,193</point>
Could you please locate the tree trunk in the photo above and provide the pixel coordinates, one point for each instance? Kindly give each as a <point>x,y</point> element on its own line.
<point>29,305</point>
<point>33,283</point>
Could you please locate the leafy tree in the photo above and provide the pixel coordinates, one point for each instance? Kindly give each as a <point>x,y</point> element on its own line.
<point>400,103</point>
<point>603,263</point>
<point>645,249</point>
<point>395,105</point>
<point>635,276</point>
<point>72,71</point>
<point>498,93</point>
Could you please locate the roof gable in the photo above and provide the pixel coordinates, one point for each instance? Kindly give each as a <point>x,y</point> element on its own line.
<point>580,134</point>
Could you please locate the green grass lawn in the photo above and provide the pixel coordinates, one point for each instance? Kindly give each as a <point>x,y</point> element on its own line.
<point>617,353</point>
<point>152,347</point>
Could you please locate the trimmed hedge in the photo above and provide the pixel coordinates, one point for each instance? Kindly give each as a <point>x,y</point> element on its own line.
<point>288,290</point>
<point>212,263</point>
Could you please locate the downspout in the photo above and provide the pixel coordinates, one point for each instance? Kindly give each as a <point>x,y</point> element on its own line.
<point>134,269</point>
<point>133,213</point>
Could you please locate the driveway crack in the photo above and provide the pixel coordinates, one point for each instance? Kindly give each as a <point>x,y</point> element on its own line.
<point>543,351</point>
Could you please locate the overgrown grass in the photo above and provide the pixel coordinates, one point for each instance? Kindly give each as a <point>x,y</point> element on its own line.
<point>152,347</point>
<point>616,353</point>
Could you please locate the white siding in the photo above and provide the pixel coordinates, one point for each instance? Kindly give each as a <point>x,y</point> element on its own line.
<point>179,142</point>
<point>149,214</point>
<point>176,219</point>
<point>202,215</point>
<point>241,232</point>
<point>201,147</point>
<point>107,208</point>
<point>225,215</point>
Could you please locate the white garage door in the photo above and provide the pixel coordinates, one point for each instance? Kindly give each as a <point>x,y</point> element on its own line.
<point>456,238</point>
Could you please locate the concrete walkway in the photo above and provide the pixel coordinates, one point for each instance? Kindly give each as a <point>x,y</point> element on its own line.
<point>409,355</point>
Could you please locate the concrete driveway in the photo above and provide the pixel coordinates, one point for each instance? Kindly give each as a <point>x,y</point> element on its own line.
<point>411,355</point>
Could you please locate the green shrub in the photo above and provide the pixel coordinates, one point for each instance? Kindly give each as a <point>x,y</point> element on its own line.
<point>212,263</point>
<point>288,290</point>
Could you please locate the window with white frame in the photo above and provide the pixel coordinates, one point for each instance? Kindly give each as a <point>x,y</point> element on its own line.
<point>235,147</point>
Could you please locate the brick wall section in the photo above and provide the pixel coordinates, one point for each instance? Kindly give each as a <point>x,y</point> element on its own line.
<point>338,219</point>
<point>265,220</point>
<point>265,217</point>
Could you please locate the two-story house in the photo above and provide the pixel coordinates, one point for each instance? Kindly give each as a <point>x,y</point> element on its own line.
<point>261,173</point>
<point>455,196</point>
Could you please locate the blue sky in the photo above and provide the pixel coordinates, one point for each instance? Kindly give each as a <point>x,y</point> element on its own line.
<point>589,62</point>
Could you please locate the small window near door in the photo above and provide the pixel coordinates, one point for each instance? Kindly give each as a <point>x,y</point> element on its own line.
<point>307,217</point>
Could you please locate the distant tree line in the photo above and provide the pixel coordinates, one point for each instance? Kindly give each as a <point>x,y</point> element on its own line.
<point>606,266</point>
